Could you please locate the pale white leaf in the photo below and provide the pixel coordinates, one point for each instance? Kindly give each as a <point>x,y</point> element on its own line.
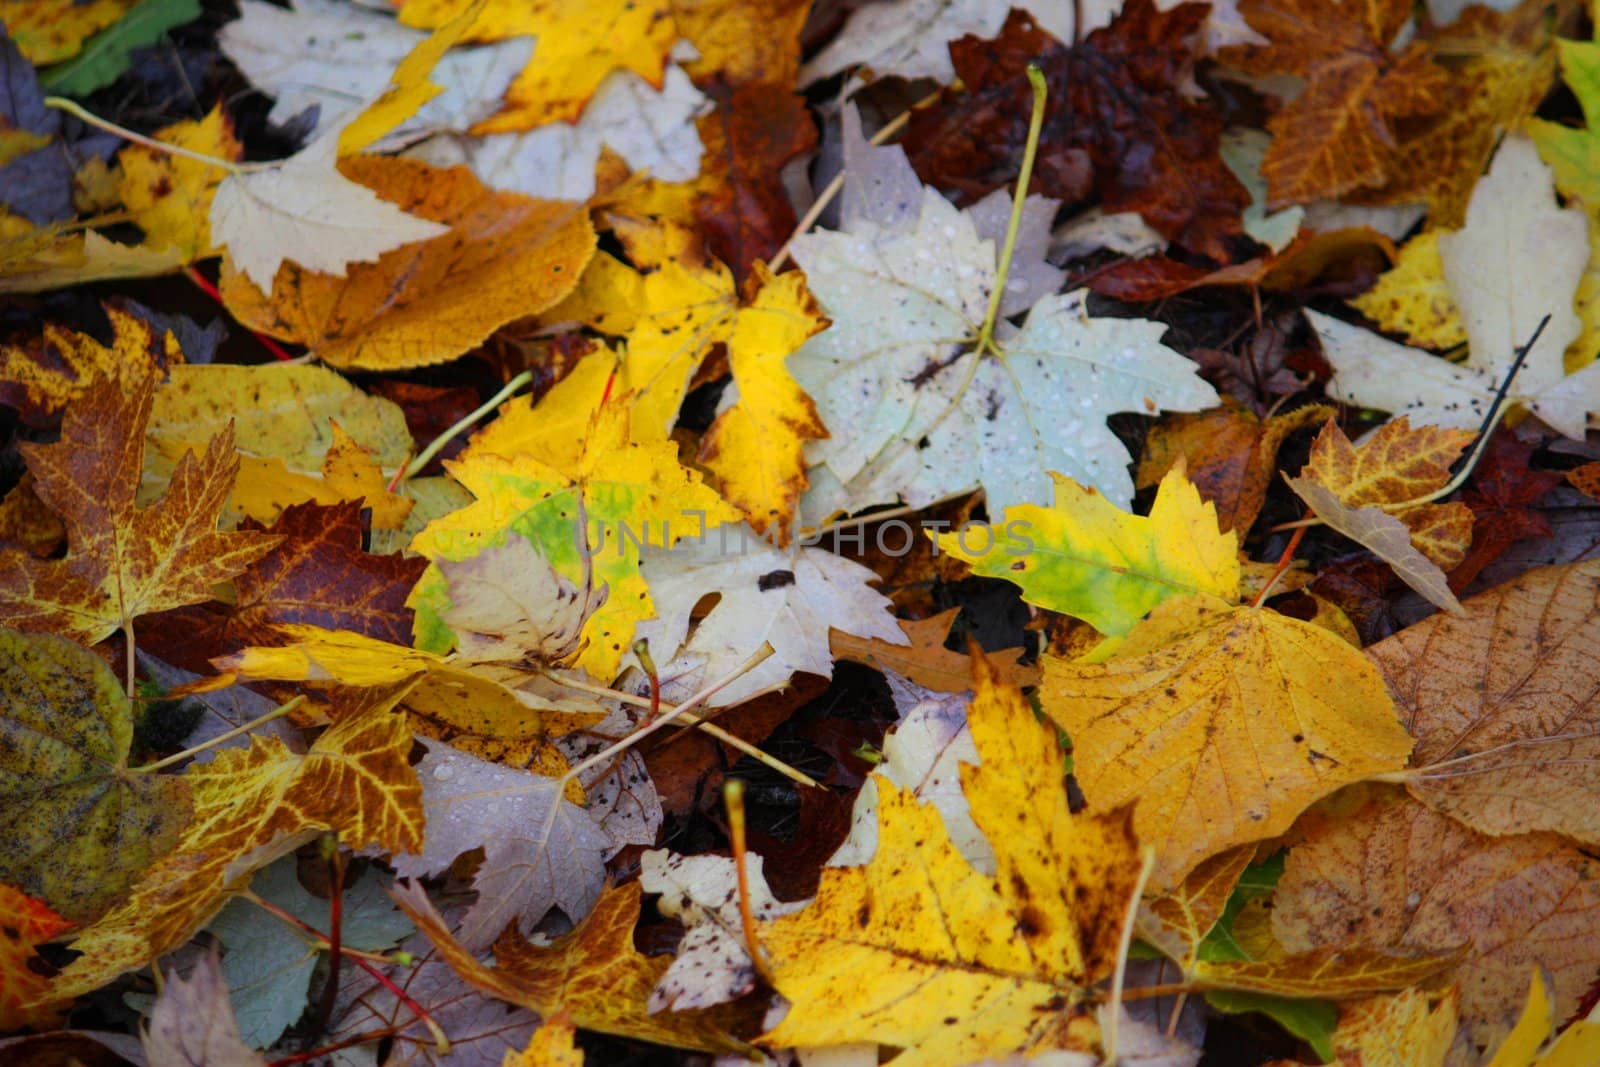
<point>303,210</point>
<point>928,416</point>
<point>702,892</point>
<point>540,849</point>
<point>1243,150</point>
<point>338,57</point>
<point>787,598</point>
<point>923,754</point>
<point>508,603</point>
<point>652,130</point>
<point>192,1022</point>
<point>1518,259</point>
<point>1123,232</point>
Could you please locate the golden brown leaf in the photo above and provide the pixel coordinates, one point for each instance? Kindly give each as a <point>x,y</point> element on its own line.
<point>42,378</point>
<point>1393,874</point>
<point>506,256</point>
<point>1222,724</point>
<point>1231,455</point>
<point>1412,1028</point>
<point>925,660</point>
<point>1504,705</point>
<point>593,973</point>
<point>251,806</point>
<point>124,561</point>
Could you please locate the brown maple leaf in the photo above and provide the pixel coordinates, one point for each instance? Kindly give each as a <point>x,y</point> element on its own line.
<point>123,561</point>
<point>318,575</point>
<point>1116,123</point>
<point>1339,134</point>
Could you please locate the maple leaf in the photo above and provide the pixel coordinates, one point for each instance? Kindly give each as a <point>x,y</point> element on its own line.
<point>78,826</point>
<point>169,196</point>
<point>786,598</point>
<point>1394,873</point>
<point>923,658</point>
<point>1516,260</point>
<point>1086,558</point>
<point>1205,701</point>
<point>251,806</point>
<point>552,1046</point>
<point>349,475</point>
<point>1505,742</point>
<point>191,1021</point>
<point>575,50</point>
<point>1504,484</point>
<point>42,378</point>
<point>1228,453</point>
<point>594,973</point>
<point>1412,298</point>
<point>317,575</point>
<point>756,445</point>
<point>481,1030</point>
<point>1339,133</point>
<point>885,949</point>
<point>124,561</point>
<point>615,480</point>
<point>24,924</point>
<point>506,713</point>
<point>1369,493</point>
<point>335,57</point>
<point>488,258</point>
<point>1116,123</point>
<point>534,859</point>
<point>928,415</point>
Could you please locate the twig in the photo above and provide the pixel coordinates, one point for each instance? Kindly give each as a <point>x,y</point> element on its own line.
<point>204,283</point>
<point>178,757</point>
<point>466,422</point>
<point>733,797</point>
<point>77,111</point>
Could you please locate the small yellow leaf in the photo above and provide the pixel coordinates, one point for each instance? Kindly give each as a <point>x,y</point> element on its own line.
<point>1411,298</point>
<point>169,196</point>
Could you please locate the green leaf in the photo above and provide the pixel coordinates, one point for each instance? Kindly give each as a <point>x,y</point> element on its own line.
<point>76,826</point>
<point>269,966</point>
<point>107,55</point>
<point>1574,154</point>
<point>1258,880</point>
<point>1312,1021</point>
<point>1086,557</point>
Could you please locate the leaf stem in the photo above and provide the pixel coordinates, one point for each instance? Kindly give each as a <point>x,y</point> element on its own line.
<point>77,111</point>
<point>1147,863</point>
<point>214,293</point>
<point>244,728</point>
<point>678,712</point>
<point>733,797</point>
<point>705,725</point>
<point>1283,565</point>
<point>441,1042</point>
<point>328,843</point>
<point>423,458</point>
<point>1029,153</point>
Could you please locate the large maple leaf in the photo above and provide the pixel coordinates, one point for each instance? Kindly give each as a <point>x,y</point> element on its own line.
<point>927,414</point>
<point>123,561</point>
<point>886,949</point>
<point>1117,123</point>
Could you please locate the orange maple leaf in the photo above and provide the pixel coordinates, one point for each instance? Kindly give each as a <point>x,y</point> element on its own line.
<point>123,560</point>
<point>24,922</point>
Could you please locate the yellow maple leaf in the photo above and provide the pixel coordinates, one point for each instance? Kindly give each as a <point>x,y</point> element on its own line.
<point>251,806</point>
<point>47,376</point>
<point>579,45</point>
<point>593,973</point>
<point>1086,557</point>
<point>169,196</point>
<point>756,447</point>
<point>550,1046</point>
<point>1411,298</point>
<point>505,256</point>
<point>478,707</point>
<point>1221,724</point>
<point>618,494</point>
<point>886,951</point>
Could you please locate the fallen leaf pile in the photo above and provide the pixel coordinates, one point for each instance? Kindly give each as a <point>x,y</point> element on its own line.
<point>911,531</point>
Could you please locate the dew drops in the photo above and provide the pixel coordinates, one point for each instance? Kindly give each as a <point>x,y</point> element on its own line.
<point>444,772</point>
